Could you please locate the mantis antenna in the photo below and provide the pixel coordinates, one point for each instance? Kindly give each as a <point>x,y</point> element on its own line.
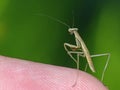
<point>55,19</point>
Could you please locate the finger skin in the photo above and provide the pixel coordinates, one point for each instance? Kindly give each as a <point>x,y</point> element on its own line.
<point>17,74</point>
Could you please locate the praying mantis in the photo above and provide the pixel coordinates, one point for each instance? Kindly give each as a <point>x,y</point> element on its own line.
<point>80,49</point>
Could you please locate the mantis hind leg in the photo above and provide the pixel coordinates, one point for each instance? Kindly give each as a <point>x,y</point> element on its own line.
<point>106,64</point>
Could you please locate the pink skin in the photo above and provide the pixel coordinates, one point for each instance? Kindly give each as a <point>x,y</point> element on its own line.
<point>16,74</point>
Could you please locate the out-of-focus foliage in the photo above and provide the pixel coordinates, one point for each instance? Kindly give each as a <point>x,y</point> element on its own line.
<point>26,34</point>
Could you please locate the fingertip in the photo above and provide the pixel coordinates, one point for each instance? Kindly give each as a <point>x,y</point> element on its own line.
<point>35,76</point>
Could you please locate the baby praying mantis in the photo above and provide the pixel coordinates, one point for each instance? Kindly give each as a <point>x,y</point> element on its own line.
<point>80,49</point>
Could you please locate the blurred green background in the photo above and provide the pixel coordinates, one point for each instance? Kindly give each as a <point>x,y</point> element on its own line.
<point>27,35</point>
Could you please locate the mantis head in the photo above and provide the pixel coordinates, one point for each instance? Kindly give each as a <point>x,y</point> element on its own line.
<point>71,30</point>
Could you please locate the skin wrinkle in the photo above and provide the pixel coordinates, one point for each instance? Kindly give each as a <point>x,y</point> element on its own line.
<point>19,70</point>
